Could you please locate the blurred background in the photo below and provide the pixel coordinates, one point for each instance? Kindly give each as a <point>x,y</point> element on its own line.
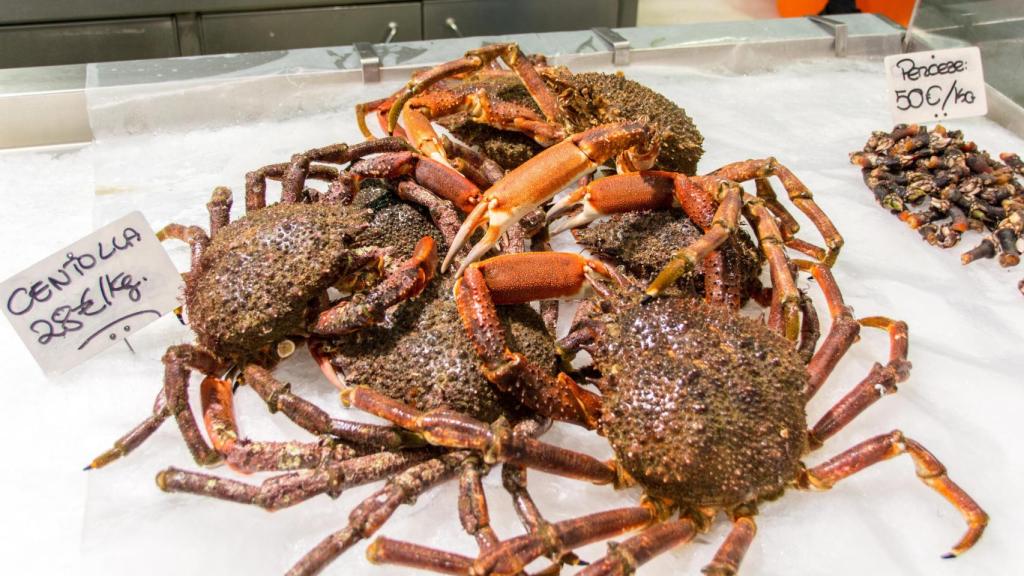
<point>39,33</point>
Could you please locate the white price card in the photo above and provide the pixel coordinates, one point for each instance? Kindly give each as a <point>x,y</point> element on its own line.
<point>95,292</point>
<point>936,85</point>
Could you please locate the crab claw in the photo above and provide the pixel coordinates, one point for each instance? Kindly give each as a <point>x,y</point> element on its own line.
<point>651,190</point>
<point>567,203</point>
<point>404,283</point>
<point>633,144</point>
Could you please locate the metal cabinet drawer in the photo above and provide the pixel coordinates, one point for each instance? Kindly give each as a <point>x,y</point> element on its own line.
<point>103,41</point>
<point>23,12</point>
<point>308,28</point>
<point>487,17</point>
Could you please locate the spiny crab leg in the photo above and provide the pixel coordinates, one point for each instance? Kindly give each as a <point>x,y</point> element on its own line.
<point>496,442</point>
<point>408,281</point>
<point>247,456</point>
<point>634,144</point>
<point>439,178</point>
<point>513,555</point>
<point>653,190</point>
<point>294,173</point>
<point>929,470</point>
<point>473,61</point>
<point>697,194</point>
<point>730,199</point>
<point>798,193</point>
<point>650,190</point>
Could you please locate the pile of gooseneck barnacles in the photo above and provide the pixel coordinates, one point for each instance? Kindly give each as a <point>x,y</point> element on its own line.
<point>942,185</point>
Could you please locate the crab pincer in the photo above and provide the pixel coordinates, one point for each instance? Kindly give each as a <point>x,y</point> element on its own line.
<point>499,281</point>
<point>634,145</point>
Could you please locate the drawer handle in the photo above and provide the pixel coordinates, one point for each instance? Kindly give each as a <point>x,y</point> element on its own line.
<point>392,32</point>
<point>450,23</point>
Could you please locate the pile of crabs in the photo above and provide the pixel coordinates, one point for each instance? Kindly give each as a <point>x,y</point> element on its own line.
<point>704,407</point>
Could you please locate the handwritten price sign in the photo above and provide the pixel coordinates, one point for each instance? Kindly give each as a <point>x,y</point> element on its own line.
<point>99,290</point>
<point>937,85</point>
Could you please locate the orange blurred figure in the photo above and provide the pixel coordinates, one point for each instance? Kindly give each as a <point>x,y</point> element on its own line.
<point>898,10</point>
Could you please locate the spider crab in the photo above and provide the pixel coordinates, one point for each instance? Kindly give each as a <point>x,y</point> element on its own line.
<point>261,282</point>
<point>511,114</point>
<point>703,407</point>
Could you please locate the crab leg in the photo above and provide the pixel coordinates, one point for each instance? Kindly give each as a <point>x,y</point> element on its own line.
<point>478,107</point>
<point>784,314</point>
<point>450,429</point>
<point>475,60</point>
<point>293,176</point>
<point>330,477</point>
<point>488,168</point>
<point>247,456</point>
<point>136,436</point>
<point>439,178</point>
<point>653,190</point>
<point>635,144</point>
<point>879,382</point>
<point>515,279</point>
<point>408,281</point>
<point>727,560</point>
<point>473,514</point>
<point>294,173</point>
<point>442,212</point>
<point>373,512</point>
<point>626,557</point>
<point>723,225</point>
<point>513,478</point>
<point>279,398</point>
<point>179,361</point>
<point>384,550</point>
<point>473,502</point>
<point>810,328</point>
<point>841,335</point>
<point>422,135</point>
<point>788,225</point>
<point>513,555</point>
<point>657,190</point>
<point>194,236</point>
<point>798,194</point>
<point>929,469</point>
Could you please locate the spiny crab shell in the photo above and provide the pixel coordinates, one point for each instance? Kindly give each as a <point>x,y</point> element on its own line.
<point>589,99</point>
<point>420,354</point>
<point>704,407</point>
<point>422,357</point>
<point>644,243</point>
<point>261,276</point>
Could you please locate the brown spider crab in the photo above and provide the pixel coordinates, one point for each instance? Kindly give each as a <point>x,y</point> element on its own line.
<point>414,352</point>
<point>512,114</point>
<point>261,283</point>
<point>703,407</point>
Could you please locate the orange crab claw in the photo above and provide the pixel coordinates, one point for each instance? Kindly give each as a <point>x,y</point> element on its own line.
<point>520,278</point>
<point>651,190</point>
<point>634,144</point>
<point>219,413</point>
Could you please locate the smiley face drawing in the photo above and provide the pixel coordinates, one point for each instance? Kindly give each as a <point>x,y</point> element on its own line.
<point>117,327</point>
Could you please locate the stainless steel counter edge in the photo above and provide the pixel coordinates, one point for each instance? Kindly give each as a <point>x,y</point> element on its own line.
<point>48,106</point>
